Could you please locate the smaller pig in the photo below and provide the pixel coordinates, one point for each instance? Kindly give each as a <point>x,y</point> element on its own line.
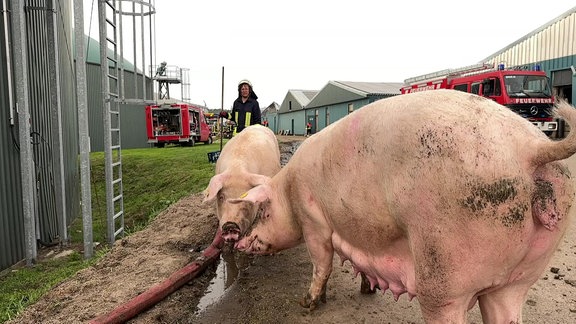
<point>248,159</point>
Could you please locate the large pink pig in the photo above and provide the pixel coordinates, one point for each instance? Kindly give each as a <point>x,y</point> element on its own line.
<point>442,195</point>
<point>250,157</point>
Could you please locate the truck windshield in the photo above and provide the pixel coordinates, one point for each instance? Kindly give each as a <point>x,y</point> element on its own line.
<point>527,86</point>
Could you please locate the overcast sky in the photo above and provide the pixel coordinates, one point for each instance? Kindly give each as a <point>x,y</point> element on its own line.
<point>284,45</point>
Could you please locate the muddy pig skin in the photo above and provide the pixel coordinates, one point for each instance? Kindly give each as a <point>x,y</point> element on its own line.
<point>443,195</point>
<point>249,158</point>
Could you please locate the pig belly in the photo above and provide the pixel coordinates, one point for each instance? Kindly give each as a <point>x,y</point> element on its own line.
<point>391,268</point>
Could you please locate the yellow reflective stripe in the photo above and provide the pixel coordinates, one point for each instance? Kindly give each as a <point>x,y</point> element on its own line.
<point>247,120</point>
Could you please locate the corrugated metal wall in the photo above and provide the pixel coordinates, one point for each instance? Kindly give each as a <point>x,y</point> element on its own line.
<point>132,117</point>
<point>44,136</point>
<point>550,42</point>
<point>70,140</point>
<point>12,247</point>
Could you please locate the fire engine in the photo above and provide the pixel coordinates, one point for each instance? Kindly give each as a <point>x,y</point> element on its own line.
<point>525,92</point>
<point>177,123</point>
<point>214,122</point>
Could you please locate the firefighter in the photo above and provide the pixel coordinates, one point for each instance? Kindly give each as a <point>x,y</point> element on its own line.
<point>245,110</point>
<point>161,70</point>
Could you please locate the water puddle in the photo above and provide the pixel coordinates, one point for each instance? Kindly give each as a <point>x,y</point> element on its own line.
<point>229,266</point>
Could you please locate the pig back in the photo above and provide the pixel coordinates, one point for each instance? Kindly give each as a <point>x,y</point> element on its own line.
<point>253,150</point>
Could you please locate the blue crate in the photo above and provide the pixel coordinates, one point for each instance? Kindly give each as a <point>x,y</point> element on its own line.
<point>213,156</point>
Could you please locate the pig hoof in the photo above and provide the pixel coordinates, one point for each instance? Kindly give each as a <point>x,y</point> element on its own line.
<point>309,302</point>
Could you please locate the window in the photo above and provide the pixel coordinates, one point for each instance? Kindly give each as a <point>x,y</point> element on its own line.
<point>497,87</point>
<point>491,87</point>
<point>350,108</point>
<point>527,85</point>
<point>461,87</point>
<point>475,88</point>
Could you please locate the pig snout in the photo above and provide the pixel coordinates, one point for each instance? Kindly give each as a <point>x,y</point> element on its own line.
<point>230,232</point>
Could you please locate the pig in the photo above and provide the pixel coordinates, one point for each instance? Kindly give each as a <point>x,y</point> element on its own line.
<point>446,196</point>
<point>250,157</point>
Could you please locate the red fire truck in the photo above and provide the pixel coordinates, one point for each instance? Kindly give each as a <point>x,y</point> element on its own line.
<point>177,123</point>
<point>526,92</point>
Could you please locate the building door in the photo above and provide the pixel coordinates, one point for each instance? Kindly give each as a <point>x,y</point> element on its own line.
<point>562,84</point>
<point>562,88</point>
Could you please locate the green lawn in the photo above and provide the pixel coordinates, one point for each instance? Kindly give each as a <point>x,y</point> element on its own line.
<point>153,179</point>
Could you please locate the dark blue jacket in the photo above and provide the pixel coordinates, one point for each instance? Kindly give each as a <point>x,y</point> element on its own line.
<point>240,110</point>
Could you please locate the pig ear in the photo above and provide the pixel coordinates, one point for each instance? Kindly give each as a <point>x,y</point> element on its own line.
<point>257,179</point>
<point>255,195</point>
<point>213,188</point>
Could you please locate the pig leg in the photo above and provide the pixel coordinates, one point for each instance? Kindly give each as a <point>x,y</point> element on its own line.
<point>503,305</point>
<point>440,297</point>
<point>453,312</point>
<point>321,253</point>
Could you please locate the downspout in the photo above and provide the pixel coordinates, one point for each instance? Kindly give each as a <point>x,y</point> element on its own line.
<point>8,61</point>
<point>56,121</point>
<point>24,119</point>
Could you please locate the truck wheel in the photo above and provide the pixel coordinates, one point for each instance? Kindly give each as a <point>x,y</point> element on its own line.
<point>209,141</point>
<point>159,145</point>
<point>191,142</point>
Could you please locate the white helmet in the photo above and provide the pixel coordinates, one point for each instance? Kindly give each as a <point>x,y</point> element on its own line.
<point>245,81</point>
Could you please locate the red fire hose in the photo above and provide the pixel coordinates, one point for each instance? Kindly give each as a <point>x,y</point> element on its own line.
<point>157,293</point>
